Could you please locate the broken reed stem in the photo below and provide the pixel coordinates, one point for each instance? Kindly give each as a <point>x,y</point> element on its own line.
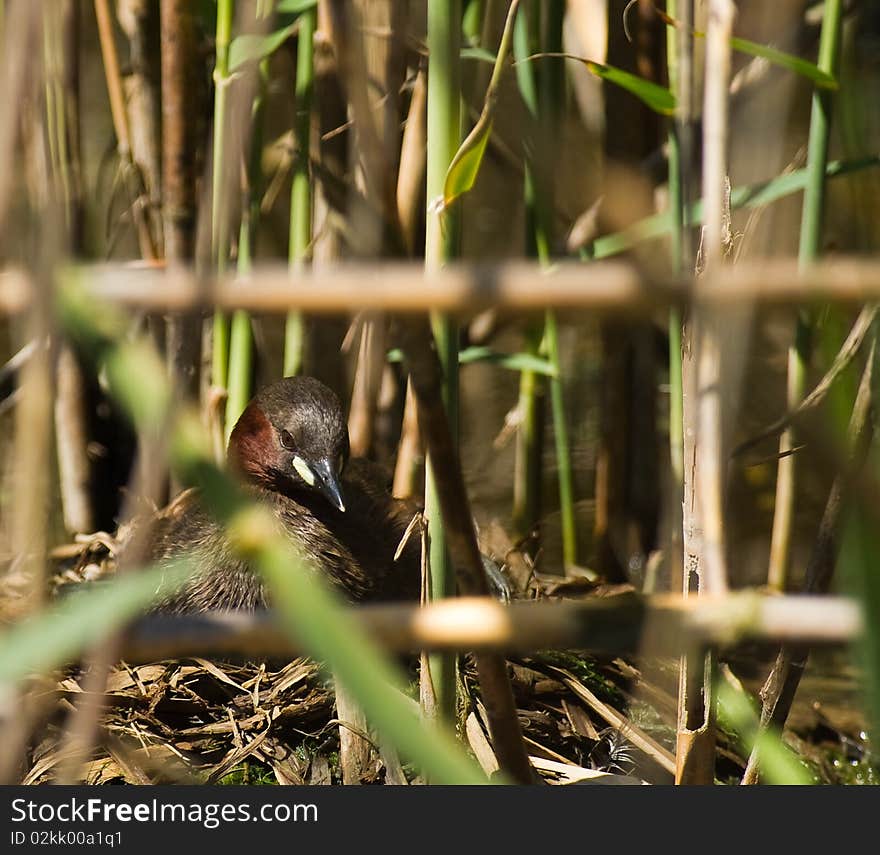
<point>300,237</point>
<point>704,452</point>
<point>679,52</point>
<point>809,250</point>
<point>711,463</point>
<point>442,245</point>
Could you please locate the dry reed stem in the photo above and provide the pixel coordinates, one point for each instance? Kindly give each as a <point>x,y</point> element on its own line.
<point>603,288</point>
<point>426,376</point>
<point>410,457</point>
<point>82,730</point>
<point>617,624</point>
<point>116,93</point>
<point>179,156</point>
<point>20,42</point>
<point>413,163</point>
<point>705,463</point>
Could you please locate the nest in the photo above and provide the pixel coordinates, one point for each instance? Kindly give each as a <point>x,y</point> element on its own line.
<point>197,721</point>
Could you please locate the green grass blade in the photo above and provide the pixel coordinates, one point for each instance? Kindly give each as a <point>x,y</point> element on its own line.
<point>465,166</point>
<point>657,98</point>
<point>512,361</point>
<point>750,196</point>
<point>253,48</point>
<point>480,54</point>
<point>779,765</point>
<point>786,60</point>
<point>294,7</point>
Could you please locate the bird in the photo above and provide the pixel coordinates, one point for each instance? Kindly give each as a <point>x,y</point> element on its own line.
<point>290,451</point>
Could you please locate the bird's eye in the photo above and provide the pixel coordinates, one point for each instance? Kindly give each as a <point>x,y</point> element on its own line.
<point>287,440</point>
<point>340,463</point>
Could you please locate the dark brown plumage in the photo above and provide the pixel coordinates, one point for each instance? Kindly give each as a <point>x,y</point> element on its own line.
<point>290,448</point>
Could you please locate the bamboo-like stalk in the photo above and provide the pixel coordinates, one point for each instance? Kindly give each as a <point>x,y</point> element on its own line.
<point>679,56</point>
<point>704,481</point>
<point>711,466</point>
<point>219,201</point>
<point>809,250</point>
<point>441,245</point>
<point>679,53</point>
<point>300,241</point>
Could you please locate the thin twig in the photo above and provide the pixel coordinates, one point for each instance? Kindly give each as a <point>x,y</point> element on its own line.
<point>848,351</point>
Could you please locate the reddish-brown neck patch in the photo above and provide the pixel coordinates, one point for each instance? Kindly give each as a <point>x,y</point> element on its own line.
<point>252,445</point>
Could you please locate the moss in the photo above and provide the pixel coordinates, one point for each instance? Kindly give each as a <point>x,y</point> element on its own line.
<point>250,773</point>
<point>586,670</point>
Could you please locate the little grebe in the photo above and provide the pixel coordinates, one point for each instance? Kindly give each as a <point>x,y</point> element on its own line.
<point>290,449</point>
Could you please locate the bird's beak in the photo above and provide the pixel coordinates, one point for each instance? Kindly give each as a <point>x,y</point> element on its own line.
<point>327,482</point>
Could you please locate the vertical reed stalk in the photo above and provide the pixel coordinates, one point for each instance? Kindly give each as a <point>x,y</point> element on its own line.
<point>545,110</point>
<point>704,478</point>
<point>61,40</point>
<point>809,250</point>
<point>219,201</point>
<point>529,435</point>
<point>679,49</point>
<point>679,54</point>
<point>146,240</point>
<point>241,337</point>
<point>179,151</point>
<point>550,109</point>
<point>441,244</point>
<point>299,246</point>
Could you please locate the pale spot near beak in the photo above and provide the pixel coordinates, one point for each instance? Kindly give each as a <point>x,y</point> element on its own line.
<point>304,471</point>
